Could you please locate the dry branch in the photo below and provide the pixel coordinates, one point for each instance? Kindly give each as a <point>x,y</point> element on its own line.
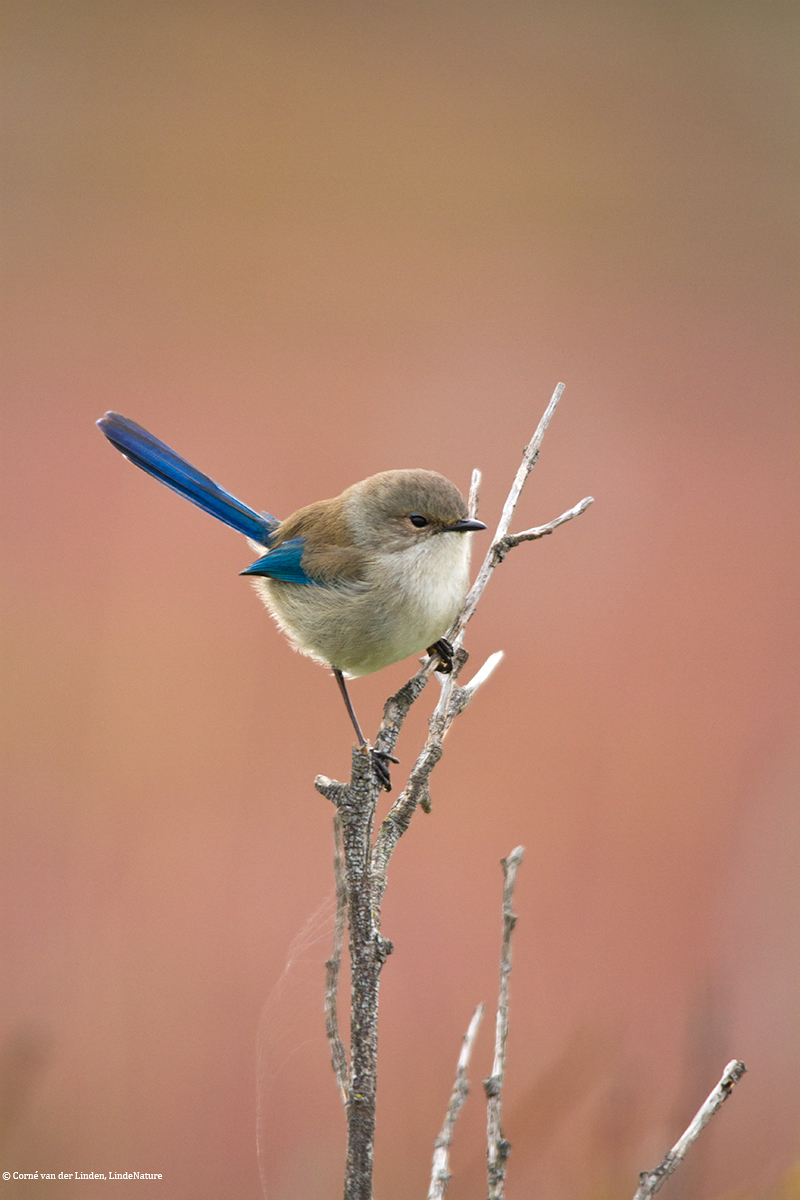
<point>651,1181</point>
<point>366,865</point>
<point>497,1148</point>
<point>440,1174</point>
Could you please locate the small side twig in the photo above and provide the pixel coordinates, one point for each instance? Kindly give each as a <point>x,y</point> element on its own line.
<point>440,1174</point>
<point>651,1181</point>
<point>497,1148</point>
<point>502,547</point>
<point>338,1052</point>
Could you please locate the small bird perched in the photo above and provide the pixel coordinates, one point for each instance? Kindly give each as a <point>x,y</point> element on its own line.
<point>356,583</point>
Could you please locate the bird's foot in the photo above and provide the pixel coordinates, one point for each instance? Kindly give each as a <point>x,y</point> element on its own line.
<point>443,650</point>
<point>380,765</point>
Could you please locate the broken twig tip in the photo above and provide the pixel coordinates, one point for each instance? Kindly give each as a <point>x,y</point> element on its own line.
<point>484,672</point>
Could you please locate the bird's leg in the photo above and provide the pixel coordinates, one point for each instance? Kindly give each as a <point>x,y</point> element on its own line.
<point>380,758</point>
<point>443,650</point>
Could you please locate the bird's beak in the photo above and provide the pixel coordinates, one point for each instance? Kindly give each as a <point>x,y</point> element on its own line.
<point>465,525</point>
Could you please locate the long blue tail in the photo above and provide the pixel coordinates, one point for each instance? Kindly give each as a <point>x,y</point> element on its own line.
<point>165,465</point>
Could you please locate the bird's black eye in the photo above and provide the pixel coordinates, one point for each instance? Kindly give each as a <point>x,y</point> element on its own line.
<point>418,520</point>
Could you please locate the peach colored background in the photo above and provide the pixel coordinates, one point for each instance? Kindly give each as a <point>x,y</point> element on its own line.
<point>304,242</point>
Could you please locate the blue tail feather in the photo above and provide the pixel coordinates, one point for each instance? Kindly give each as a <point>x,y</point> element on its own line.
<point>154,457</point>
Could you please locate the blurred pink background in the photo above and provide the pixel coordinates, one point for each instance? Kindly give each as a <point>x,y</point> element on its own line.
<point>303,243</point>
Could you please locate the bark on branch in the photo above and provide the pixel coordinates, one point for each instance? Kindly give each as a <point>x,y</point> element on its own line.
<point>651,1181</point>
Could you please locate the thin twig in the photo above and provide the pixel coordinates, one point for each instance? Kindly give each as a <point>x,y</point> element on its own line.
<point>511,540</point>
<point>440,1174</point>
<point>651,1181</point>
<point>338,1052</point>
<point>497,1148</point>
<point>529,457</point>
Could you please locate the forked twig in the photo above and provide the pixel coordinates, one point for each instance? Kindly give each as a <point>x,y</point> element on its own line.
<point>651,1181</point>
<point>502,542</point>
<point>440,1173</point>
<point>366,865</point>
<point>497,1148</point>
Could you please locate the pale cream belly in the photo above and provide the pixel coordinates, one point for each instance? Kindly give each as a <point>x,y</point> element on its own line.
<point>363,627</point>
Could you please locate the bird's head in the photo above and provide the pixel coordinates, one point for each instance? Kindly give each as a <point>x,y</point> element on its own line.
<point>395,510</point>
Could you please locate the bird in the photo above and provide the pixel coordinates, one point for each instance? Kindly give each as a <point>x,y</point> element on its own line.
<point>357,582</point>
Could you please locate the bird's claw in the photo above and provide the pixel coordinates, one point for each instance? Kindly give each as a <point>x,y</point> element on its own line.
<point>380,765</point>
<point>443,650</point>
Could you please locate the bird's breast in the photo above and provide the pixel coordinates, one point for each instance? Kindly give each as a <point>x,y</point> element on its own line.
<point>407,600</point>
<point>428,581</point>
